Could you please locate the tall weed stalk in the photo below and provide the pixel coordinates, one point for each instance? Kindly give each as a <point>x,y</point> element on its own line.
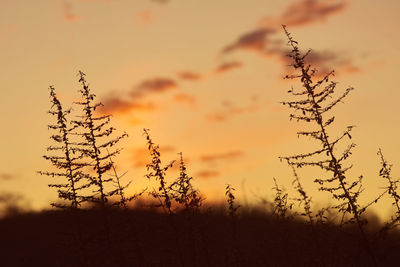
<point>158,172</point>
<point>183,191</point>
<point>68,166</point>
<point>392,191</point>
<point>96,141</point>
<point>313,105</point>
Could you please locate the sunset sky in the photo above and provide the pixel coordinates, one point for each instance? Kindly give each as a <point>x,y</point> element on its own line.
<point>205,76</point>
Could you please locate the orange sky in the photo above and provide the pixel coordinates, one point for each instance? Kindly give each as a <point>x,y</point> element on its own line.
<point>204,76</point>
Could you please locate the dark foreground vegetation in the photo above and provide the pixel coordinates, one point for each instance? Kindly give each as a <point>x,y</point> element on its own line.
<point>210,238</point>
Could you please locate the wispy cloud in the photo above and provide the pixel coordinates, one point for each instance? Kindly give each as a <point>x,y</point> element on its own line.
<point>206,174</point>
<point>323,61</point>
<point>266,41</point>
<point>117,104</point>
<point>154,85</point>
<point>310,11</point>
<point>10,28</point>
<point>228,66</point>
<point>144,17</point>
<point>69,15</point>
<point>222,156</point>
<point>229,110</point>
<point>135,100</point>
<point>6,176</point>
<point>96,0</point>
<point>161,1</point>
<point>254,40</point>
<point>326,59</point>
<point>190,76</point>
<point>185,98</point>
<point>299,13</point>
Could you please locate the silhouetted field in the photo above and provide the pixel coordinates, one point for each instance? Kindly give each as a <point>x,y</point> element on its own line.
<point>210,238</point>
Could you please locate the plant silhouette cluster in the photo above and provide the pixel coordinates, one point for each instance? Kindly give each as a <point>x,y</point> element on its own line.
<point>158,172</point>
<point>392,190</point>
<point>67,163</point>
<point>180,191</point>
<point>94,129</point>
<point>313,105</point>
<point>183,191</point>
<point>86,150</point>
<point>315,101</point>
<point>85,144</point>
<point>82,157</point>
<point>230,198</point>
<point>281,206</point>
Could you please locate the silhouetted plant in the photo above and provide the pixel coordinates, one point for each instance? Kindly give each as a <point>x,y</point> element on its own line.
<point>96,141</point>
<point>282,208</point>
<point>68,162</point>
<point>232,207</point>
<point>320,215</point>
<point>312,106</point>
<point>68,166</point>
<point>183,191</point>
<point>93,131</point>
<point>392,190</point>
<point>236,257</point>
<point>163,194</point>
<point>304,199</point>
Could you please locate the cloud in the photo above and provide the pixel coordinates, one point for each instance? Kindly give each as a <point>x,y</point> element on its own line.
<point>190,76</point>
<point>117,104</point>
<point>217,117</point>
<point>265,39</point>
<point>68,14</point>
<point>254,40</point>
<point>298,14</point>
<point>161,1</point>
<point>134,101</point>
<point>228,66</point>
<point>222,156</point>
<point>6,176</point>
<point>96,0</point>
<point>309,11</point>
<point>144,17</point>
<point>267,42</point>
<point>326,59</point>
<point>207,174</point>
<point>10,28</point>
<point>230,110</point>
<point>154,85</point>
<point>185,98</point>
<point>323,61</point>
